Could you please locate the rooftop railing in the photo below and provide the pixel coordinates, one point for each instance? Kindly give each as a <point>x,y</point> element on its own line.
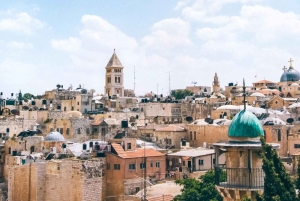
<point>241,178</point>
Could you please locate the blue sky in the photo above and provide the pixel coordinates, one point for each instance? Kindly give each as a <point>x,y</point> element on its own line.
<point>44,43</point>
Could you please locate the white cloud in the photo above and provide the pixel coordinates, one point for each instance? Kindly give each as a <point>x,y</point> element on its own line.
<point>168,34</point>
<point>20,22</point>
<point>19,45</point>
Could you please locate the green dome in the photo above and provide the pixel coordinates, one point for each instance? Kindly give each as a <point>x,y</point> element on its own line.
<point>246,125</point>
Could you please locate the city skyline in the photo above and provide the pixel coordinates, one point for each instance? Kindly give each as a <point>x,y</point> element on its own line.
<point>44,44</point>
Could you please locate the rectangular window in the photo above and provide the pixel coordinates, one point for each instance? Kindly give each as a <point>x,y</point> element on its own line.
<point>183,163</point>
<point>191,135</point>
<point>214,161</point>
<point>87,130</point>
<point>95,130</point>
<point>137,189</point>
<point>201,162</point>
<point>151,164</point>
<point>279,135</point>
<point>77,103</point>
<point>142,165</point>
<point>297,146</point>
<point>65,108</point>
<point>78,131</point>
<point>131,166</point>
<point>107,166</point>
<point>194,135</point>
<point>68,131</point>
<point>72,108</point>
<point>128,145</point>
<point>116,166</point>
<point>61,130</point>
<point>157,164</point>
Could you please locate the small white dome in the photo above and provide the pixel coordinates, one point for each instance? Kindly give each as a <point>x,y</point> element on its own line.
<point>258,94</point>
<point>295,84</point>
<point>54,137</point>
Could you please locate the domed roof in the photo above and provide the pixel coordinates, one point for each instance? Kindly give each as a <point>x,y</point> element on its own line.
<point>295,84</point>
<point>246,125</point>
<point>290,75</point>
<point>54,137</point>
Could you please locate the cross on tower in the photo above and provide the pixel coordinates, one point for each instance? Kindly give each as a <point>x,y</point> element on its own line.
<point>291,62</point>
<point>284,68</point>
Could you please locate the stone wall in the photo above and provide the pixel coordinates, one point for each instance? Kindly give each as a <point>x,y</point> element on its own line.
<point>65,180</point>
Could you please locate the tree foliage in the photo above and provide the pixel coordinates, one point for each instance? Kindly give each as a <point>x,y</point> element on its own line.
<point>297,183</point>
<point>196,190</point>
<point>27,96</point>
<point>181,93</point>
<point>278,185</point>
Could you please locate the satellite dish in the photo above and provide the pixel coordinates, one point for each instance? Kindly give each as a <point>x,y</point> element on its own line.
<point>25,108</point>
<point>15,112</point>
<point>290,120</point>
<point>209,120</point>
<point>189,118</point>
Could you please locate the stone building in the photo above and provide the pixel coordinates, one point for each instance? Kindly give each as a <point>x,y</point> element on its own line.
<point>170,136</point>
<point>162,113</point>
<point>66,180</point>
<point>127,171</point>
<point>114,77</point>
<point>72,125</point>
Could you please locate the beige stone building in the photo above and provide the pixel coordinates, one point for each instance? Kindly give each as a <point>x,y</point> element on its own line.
<point>66,180</point>
<point>170,136</point>
<point>114,77</point>
<point>127,171</point>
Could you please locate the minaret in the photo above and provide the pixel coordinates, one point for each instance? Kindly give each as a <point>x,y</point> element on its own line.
<point>114,77</point>
<point>216,84</point>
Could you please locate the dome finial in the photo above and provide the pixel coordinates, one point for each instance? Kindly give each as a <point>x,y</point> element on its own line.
<point>244,94</point>
<point>284,68</point>
<point>291,62</point>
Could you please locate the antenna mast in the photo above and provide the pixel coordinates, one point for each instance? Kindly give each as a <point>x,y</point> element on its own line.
<point>134,79</point>
<point>169,82</point>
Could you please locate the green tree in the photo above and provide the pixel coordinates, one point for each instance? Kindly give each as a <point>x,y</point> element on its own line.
<point>278,185</point>
<point>181,93</point>
<point>198,190</point>
<point>297,183</point>
<point>27,96</point>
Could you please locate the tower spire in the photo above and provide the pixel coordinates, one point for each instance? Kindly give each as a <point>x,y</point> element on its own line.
<point>244,94</point>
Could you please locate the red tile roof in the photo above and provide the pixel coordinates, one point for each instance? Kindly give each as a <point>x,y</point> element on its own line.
<point>138,153</point>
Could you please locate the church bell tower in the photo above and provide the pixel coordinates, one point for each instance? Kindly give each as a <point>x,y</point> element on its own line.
<point>114,77</point>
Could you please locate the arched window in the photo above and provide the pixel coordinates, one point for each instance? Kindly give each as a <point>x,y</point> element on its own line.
<point>116,80</point>
<point>119,80</point>
<point>9,150</point>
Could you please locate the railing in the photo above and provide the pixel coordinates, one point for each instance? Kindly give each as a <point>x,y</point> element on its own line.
<point>241,178</point>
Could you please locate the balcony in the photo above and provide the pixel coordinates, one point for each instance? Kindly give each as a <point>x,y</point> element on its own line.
<point>240,178</point>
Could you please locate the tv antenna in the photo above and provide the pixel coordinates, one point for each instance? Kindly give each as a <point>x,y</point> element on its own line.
<point>134,79</point>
